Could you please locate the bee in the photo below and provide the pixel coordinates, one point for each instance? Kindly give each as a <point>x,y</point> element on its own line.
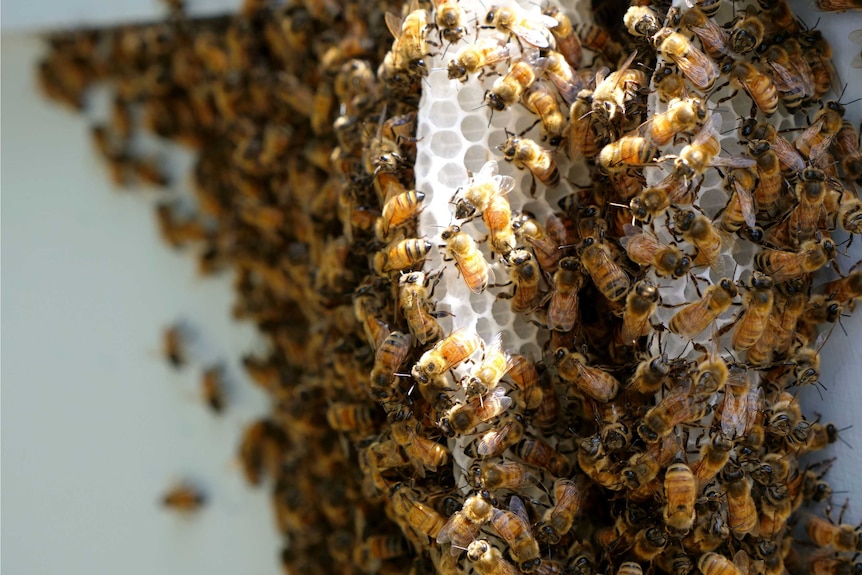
<point>485,186</point>
<point>696,229</point>
<point>712,37</point>
<point>463,419</point>
<point>409,47</point>
<point>563,76</point>
<point>449,16</point>
<point>612,93</point>
<point>827,123</point>
<point>568,499</point>
<point>537,453</point>
<point>630,568</point>
<point>563,308</point>
<point>469,260</point>
<point>581,135</point>
<point>649,543</point>
<point>850,213</point>
<point>594,461</point>
<point>508,89</point>
<point>695,317</point>
<point>487,559</point>
<point>173,347</point>
<point>783,266</point>
<point>846,146</point>
<point>832,564</point>
<point>545,245</point>
<point>641,469</point>
<point>183,498</point>
<point>568,43</point>
<point>740,208</point>
<point>770,180</point>
<point>415,303</point>
<point>590,381</point>
<point>524,374</point>
<point>628,151</point>
<point>212,389</point>
<point>420,517</point>
<point>642,21</point>
<point>685,116</point>
<point>494,442</point>
<point>838,5</point>
<point>713,457</point>
<point>747,33</point>
<point>792,75</point>
<point>669,85</point>
<point>678,407</point>
<point>715,564</point>
<point>495,363</point>
<point>525,276</point>
<point>514,528</point>
<point>650,375</point>
<point>464,525</point>
<point>486,51</point>
<point>445,355</point>
<point>539,100</point>
<point>400,209</point>
<point>680,491</point>
<point>645,249</point>
<point>401,255</point>
<point>526,153</point>
<point>695,158</point>
<point>759,87</point>
<point>607,275</point>
<point>377,548</point>
<point>507,475</point>
<point>758,303</point>
<point>528,27</point>
<point>641,304</point>
<point>422,452</point>
<point>350,417</point>
<point>388,358</point>
<point>697,67</point>
<point>653,201</point>
<point>845,290</point>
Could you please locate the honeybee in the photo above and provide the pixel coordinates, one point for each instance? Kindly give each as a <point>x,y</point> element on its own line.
<point>628,151</point>
<point>676,408</point>
<point>697,67</point>
<point>850,213</point>
<point>650,375</point>
<point>388,358</point>
<point>494,442</point>
<point>614,92</point>
<point>568,43</point>
<point>486,51</point>
<point>183,498</point>
<point>508,89</point>
<point>212,389</point>
<point>445,355</point>
<point>653,201</point>
<point>590,381</point>
<point>698,230</point>
<point>173,347</point>
<point>695,158</point>
<point>641,303</point>
<point>645,249</point>
<point>740,209</point>
<point>759,87</point>
<point>462,528</point>
<point>669,85</point>
<point>594,461</point>
<point>815,139</point>
<point>545,245</point>
<point>526,153</point>
<point>568,498</point>
<point>487,559</point>
<point>695,317</point>
<point>783,266</point>
<point>838,5</point>
<point>400,209</point>
<point>680,491</point>
<point>685,116</point>
<point>758,303</point>
<point>642,21</point>
<point>791,74</point>
<point>524,375</point>
<point>563,308</point>
<point>448,16</point>
<point>642,468</point>
<point>846,146</point>
<point>463,419</point>
<point>514,528</point>
<point>607,275</point>
<point>713,457</point>
<point>582,137</point>
<point>715,564</point>
<point>537,453</point>
<point>409,47</point>
<point>845,290</point>
<point>630,568</point>
<point>420,517</point>
<point>529,27</point>
<point>350,417</point>
<point>597,38</point>
<point>539,99</point>
<point>484,186</point>
<point>770,181</point>
<point>401,255</point>
<point>422,452</point>
<point>525,276</point>
<point>649,543</point>
<point>563,76</point>
<point>469,260</point>
<point>747,32</point>
<point>712,37</point>
<point>495,363</point>
<point>506,475</point>
<point>377,548</point>
<point>415,304</point>
<point>833,564</point>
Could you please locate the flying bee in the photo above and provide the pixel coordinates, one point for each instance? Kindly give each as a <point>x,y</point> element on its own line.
<point>740,209</point>
<point>628,151</point>
<point>420,517</point>
<point>645,249</point>
<point>400,209</point>
<point>597,260</point>
<point>508,89</point>
<point>546,245</point>
<point>525,275</point>
<point>712,37</point>
<point>494,442</point>
<point>401,255</point>
<point>650,375</point>
<point>449,17</point>
<point>827,123</point>
<point>568,499</point>
<point>642,21</point>
<point>783,266</point>
<point>590,381</point>
<point>183,498</point>
<point>695,317</point>
<point>846,290</point>
<point>759,87</point>
<point>445,355</point>
<point>699,231</point>
<point>416,307</point>
<point>462,528</point>
<point>514,528</point>
<point>563,76</point>
<point>487,559</point>
<point>715,564</point>
<point>680,491</point>
<point>529,27</point>
<point>464,418</point>
<point>563,308</point>
<point>422,452</point>
<point>697,67</point>
<point>485,52</point>
<point>568,43</point>
<point>409,47</point>
<point>581,135</point>
<point>682,117</point>
<point>506,475</point>
<point>641,304</point>
<point>485,376</point>
<point>694,159</point>
<point>483,187</point>
<point>714,455</point>
<point>388,358</point>
<point>526,153</point>
<point>470,262</point>
<point>747,32</point>
<point>539,100</point>
<point>674,409</point>
<point>538,453</point>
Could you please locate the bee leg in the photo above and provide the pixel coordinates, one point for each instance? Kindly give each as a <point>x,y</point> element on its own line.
<point>441,313</point>
<point>729,97</point>
<point>532,185</point>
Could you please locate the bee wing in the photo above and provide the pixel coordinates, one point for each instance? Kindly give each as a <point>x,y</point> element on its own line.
<point>818,149</point>
<point>534,32</point>
<point>714,33</point>
<point>489,443</point>
<point>697,67</point>
<point>631,232</point>
<point>516,506</point>
<point>394,22</point>
<point>789,80</point>
<point>735,162</point>
<point>746,203</point>
<point>809,132</point>
<point>787,154</point>
<point>754,403</point>
<point>505,183</point>
<point>449,531</point>
<point>488,171</point>
<point>499,393</point>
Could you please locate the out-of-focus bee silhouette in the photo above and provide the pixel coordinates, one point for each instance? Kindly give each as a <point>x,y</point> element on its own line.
<point>184,498</point>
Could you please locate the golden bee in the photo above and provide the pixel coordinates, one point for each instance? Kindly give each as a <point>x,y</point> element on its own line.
<point>568,43</point>
<point>680,491</point>
<point>697,67</point>
<point>597,260</point>
<point>524,375</point>
<point>539,100</point>
<point>183,498</point>
<point>449,18</point>
<point>487,559</point>
<point>641,303</point>
<point>590,381</point>
<point>695,317</point>
<point>401,255</point>
<point>388,358</point>
<point>563,307</point>
<point>483,187</point>
<point>485,52</point>
<point>677,407</point>
<point>628,151</point>
<point>757,302</point>
<point>506,475</point>
<point>747,32</point>
<point>783,266</point>
<point>682,117</point>
<point>538,453</point>
<point>546,245</point>
<point>759,87</point>
<point>740,208</point>
<point>712,37</point>
<point>562,76</point>
<point>409,49</point>
<point>446,354</point>
<point>497,440</point>
<point>526,153</point>
<point>568,498</point>
<point>529,27</point>
<point>525,276</point>
<point>715,564</point>
<point>472,265</point>
<point>645,249</point>
<point>642,21</point>
<point>514,528</point>
<point>416,307</point>
<point>463,527</point>
<point>488,373</point>
<point>463,419</point>
<point>422,452</point>
<point>508,89</point>
<point>614,92</point>
<point>669,84</point>
<point>400,209</point>
<point>418,516</point>
<point>702,153</point>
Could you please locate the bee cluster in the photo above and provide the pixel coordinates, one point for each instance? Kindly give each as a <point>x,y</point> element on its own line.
<point>584,366</point>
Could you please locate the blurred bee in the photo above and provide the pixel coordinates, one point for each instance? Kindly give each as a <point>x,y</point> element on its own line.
<point>526,153</point>
<point>645,249</point>
<point>712,37</point>
<point>783,266</point>
<point>563,76</point>
<point>697,67</point>
<point>401,255</point>
<point>642,21</point>
<point>846,147</point>
<point>675,408</point>
<point>494,442</point>
<point>682,117</point>
<point>833,564</point>
<point>377,548</point>
<point>568,499</point>
<point>524,275</point>
<point>596,38</point>
<point>669,85</point>
<point>597,260</point>
<point>469,260</point>
<point>445,355</point>
<point>449,17</point>
<point>568,43</point>
<point>590,381</point>
<point>350,417</point>
<point>759,87</point>
<point>528,27</point>
<point>581,135</point>
<point>398,210</point>
<point>715,564</point>
<point>838,5</point>
<point>462,528</point>
<point>514,528</point>
<point>420,517</point>
<point>641,304</point>
<point>698,230</point>
<point>791,74</point>
<point>464,418</point>
<point>563,308</point>
<point>613,92</point>
<point>628,151</point>
<point>506,475</point>
<point>695,317</point>
<point>487,559</point>
<point>539,100</point>
<point>778,18</point>
<point>388,358</point>
<point>486,51</point>
<point>845,290</point>
<point>422,452</point>
<point>183,498</point>
<point>546,246</point>
<point>409,47</point>
<point>538,453</point>
<point>680,491</point>
<point>416,307</point>
<point>824,533</point>
<point>757,303</point>
<point>495,363</point>
<point>173,347</point>
<point>815,139</point>
<point>212,389</point>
